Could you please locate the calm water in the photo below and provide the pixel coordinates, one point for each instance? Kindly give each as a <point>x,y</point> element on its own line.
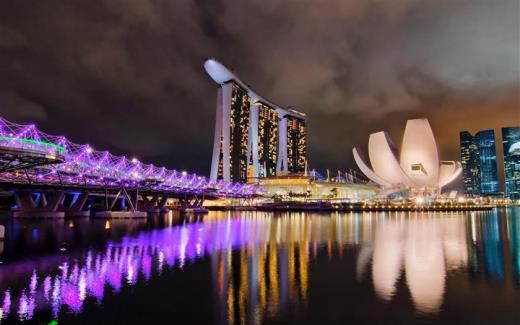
<point>256,267</point>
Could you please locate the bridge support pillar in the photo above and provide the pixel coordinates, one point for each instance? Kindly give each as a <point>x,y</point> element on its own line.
<point>38,204</point>
<point>192,205</point>
<point>76,206</point>
<point>161,204</point>
<point>154,204</point>
<point>109,206</point>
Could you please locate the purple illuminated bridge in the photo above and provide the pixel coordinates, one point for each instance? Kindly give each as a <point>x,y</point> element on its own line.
<point>49,174</point>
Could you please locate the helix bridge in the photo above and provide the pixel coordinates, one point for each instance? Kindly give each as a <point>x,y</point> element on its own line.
<point>30,158</point>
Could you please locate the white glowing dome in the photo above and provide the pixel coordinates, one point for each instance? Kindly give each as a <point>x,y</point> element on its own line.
<point>418,165</point>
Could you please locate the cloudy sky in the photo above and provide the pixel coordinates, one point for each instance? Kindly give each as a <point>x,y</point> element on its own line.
<point>127,75</point>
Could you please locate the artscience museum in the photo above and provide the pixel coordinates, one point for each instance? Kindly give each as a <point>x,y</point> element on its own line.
<point>415,170</point>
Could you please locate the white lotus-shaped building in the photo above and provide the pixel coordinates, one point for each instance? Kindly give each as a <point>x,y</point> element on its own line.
<point>418,168</point>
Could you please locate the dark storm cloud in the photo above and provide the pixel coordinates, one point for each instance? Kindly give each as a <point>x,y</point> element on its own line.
<point>126,74</point>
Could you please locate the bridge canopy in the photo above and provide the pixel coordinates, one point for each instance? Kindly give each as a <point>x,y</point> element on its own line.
<point>28,155</point>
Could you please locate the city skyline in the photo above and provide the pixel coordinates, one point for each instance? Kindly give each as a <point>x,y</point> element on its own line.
<point>202,162</point>
<point>159,105</point>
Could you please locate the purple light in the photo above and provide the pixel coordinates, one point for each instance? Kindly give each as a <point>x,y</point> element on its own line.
<point>34,282</point>
<point>82,161</point>
<point>121,264</point>
<point>6,304</point>
<point>70,296</point>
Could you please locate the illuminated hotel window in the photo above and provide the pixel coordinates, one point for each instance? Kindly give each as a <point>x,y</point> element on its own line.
<point>296,144</point>
<point>239,131</point>
<point>267,139</point>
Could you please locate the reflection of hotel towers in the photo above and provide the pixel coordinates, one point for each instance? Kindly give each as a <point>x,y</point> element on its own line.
<point>260,263</point>
<point>253,137</point>
<point>259,280</point>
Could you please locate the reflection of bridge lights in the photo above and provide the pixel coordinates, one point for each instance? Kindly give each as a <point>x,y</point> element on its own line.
<point>398,245</point>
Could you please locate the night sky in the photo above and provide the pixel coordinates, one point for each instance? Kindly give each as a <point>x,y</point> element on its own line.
<point>127,75</point>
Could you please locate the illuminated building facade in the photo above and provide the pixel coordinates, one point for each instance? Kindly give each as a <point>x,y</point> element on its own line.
<point>479,162</point>
<point>511,143</point>
<point>296,145</point>
<point>488,161</point>
<point>309,187</point>
<point>253,137</point>
<point>267,140</point>
<point>239,132</point>
<point>470,164</point>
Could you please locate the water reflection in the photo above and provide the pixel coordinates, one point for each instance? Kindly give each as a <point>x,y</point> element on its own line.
<point>261,264</point>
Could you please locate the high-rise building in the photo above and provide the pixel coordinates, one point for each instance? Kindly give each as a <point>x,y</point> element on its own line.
<point>470,164</point>
<point>479,162</point>
<point>267,140</point>
<point>511,143</point>
<point>488,161</point>
<point>296,144</point>
<point>253,137</point>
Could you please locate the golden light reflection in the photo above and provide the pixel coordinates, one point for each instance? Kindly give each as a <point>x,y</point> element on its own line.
<point>272,264</point>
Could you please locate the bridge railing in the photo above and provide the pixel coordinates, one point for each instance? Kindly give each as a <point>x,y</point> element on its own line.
<point>82,165</point>
<point>28,139</point>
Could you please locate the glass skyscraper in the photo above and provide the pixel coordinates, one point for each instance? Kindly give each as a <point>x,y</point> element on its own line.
<point>479,162</point>
<point>470,164</point>
<point>511,143</point>
<point>488,161</point>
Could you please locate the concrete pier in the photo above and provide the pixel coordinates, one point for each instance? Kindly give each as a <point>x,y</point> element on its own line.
<point>38,204</point>
<point>195,210</point>
<point>76,205</point>
<point>154,204</point>
<point>120,214</point>
<point>38,214</point>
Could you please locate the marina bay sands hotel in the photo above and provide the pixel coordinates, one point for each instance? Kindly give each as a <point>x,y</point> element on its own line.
<point>253,137</point>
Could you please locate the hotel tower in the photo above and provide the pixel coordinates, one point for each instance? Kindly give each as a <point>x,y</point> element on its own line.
<point>253,137</point>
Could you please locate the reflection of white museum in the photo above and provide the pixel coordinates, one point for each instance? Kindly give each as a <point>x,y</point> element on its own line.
<point>417,249</point>
<point>425,249</point>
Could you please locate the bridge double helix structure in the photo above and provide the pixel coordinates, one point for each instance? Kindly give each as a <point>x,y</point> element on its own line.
<point>30,158</point>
